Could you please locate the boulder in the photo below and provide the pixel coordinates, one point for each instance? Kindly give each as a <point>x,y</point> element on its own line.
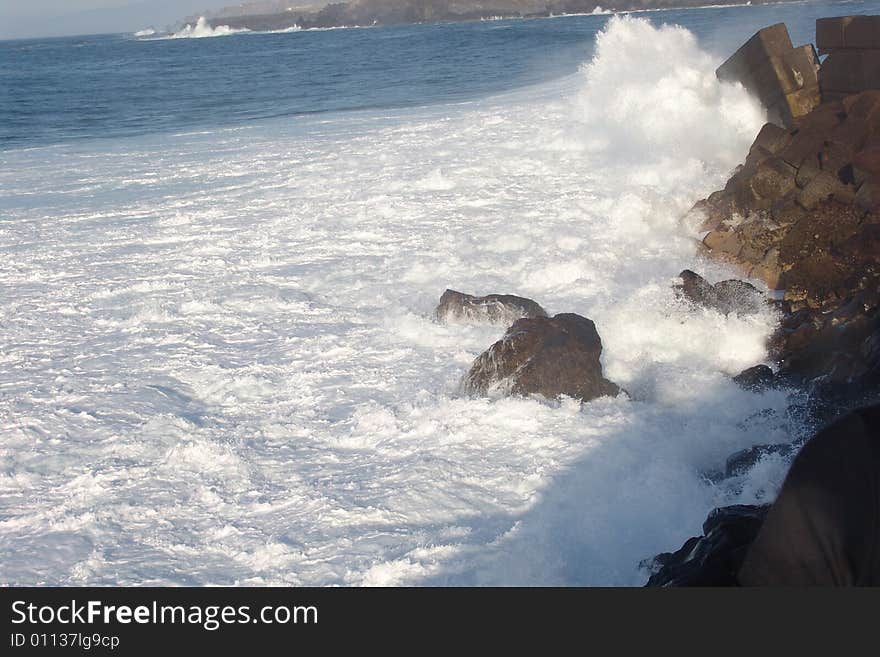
<point>726,297</point>
<point>549,356</point>
<point>714,558</point>
<point>744,460</point>
<point>756,379</point>
<point>493,308</point>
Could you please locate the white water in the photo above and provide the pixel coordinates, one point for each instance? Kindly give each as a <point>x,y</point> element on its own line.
<point>202,29</point>
<point>219,364</point>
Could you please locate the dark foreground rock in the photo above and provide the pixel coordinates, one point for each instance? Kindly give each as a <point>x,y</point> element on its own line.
<point>731,296</point>
<point>714,558</point>
<point>824,527</point>
<point>546,356</point>
<point>493,308</point>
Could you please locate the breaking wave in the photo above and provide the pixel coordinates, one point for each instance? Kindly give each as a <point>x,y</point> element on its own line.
<point>202,29</point>
<point>251,389</point>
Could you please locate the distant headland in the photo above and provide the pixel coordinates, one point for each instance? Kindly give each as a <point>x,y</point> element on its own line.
<point>280,15</point>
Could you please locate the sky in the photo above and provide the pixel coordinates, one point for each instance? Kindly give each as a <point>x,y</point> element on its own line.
<point>20,19</point>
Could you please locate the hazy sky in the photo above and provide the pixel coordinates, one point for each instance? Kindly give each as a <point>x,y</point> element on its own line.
<point>33,18</point>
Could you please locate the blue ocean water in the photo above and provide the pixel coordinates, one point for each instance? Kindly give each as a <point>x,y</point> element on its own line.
<point>53,90</point>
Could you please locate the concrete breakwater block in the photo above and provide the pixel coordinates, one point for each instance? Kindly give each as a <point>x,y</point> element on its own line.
<point>852,44</point>
<point>784,78</point>
<point>845,32</point>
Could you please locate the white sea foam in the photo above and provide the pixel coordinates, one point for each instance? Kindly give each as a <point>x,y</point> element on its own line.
<point>231,375</point>
<point>202,29</point>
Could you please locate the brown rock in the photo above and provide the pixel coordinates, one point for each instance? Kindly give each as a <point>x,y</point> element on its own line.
<point>807,142</point>
<point>546,356</point>
<point>807,170</point>
<point>756,238</point>
<point>866,163</point>
<point>773,179</point>
<point>798,103</point>
<point>723,242</point>
<point>851,134</point>
<point>772,139</point>
<point>769,270</point>
<point>868,196</point>
<point>494,308</point>
<point>820,188</point>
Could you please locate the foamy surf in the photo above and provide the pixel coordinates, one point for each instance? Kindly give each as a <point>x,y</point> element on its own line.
<point>224,369</point>
<point>202,29</point>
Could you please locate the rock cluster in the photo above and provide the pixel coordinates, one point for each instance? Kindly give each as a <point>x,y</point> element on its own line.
<point>538,355</point>
<point>802,214</point>
<point>798,208</point>
<point>714,558</point>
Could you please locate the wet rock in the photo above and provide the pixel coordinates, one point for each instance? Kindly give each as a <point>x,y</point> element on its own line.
<point>493,308</point>
<point>744,460</point>
<point>545,356</point>
<point>757,378</point>
<point>714,558</point>
<point>726,297</point>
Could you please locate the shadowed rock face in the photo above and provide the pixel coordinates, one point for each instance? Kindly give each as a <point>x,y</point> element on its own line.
<point>493,308</point>
<point>546,356</point>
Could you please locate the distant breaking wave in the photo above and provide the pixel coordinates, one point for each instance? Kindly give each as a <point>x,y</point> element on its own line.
<point>202,29</point>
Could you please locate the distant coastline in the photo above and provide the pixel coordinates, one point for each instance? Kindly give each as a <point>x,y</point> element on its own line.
<point>366,13</point>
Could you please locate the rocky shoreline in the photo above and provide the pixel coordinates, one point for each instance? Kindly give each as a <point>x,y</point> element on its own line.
<point>801,214</point>
<point>362,13</point>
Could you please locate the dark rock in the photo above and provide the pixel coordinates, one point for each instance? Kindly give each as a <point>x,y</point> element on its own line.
<point>757,378</point>
<point>493,308</point>
<point>744,460</point>
<point>726,297</point>
<point>546,356</point>
<point>714,558</point>
<point>773,179</point>
<point>823,528</point>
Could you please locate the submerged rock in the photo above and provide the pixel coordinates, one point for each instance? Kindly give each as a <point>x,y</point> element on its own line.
<point>493,308</point>
<point>714,558</point>
<point>546,356</point>
<point>726,297</point>
<point>743,460</point>
<point>757,378</point>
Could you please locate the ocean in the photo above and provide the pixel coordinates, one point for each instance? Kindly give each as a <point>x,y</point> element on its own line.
<point>219,257</point>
